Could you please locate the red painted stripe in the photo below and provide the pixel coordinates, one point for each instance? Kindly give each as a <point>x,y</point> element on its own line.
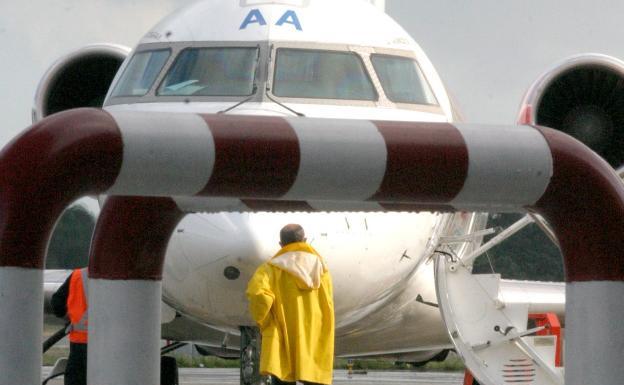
<point>584,203</point>
<point>131,237</point>
<point>52,163</point>
<point>254,156</point>
<point>427,162</point>
<point>274,205</point>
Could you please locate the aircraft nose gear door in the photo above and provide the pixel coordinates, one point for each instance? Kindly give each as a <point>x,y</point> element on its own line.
<point>492,336</point>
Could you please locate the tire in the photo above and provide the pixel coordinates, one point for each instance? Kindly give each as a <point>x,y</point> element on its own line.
<point>168,371</point>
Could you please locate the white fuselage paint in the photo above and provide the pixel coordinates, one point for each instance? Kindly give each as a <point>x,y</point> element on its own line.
<point>127,308</point>
<point>21,317</point>
<point>376,260</point>
<point>381,4</point>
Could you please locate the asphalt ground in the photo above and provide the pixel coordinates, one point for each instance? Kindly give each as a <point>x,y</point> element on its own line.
<point>204,376</point>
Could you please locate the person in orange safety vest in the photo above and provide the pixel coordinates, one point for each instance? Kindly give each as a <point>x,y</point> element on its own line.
<point>291,300</point>
<point>70,301</point>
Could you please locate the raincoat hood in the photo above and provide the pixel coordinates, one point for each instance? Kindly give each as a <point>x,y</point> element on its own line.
<point>303,262</point>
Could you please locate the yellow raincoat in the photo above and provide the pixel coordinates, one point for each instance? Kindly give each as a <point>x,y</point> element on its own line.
<point>291,299</point>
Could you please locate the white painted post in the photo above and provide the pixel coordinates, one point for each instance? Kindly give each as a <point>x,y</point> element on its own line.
<point>594,312</point>
<point>124,335</point>
<point>21,325</point>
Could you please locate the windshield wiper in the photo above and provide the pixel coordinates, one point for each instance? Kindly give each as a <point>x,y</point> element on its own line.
<point>248,98</point>
<point>268,89</point>
<point>254,87</point>
<point>282,104</point>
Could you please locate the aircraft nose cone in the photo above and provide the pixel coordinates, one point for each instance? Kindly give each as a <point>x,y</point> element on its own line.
<point>210,259</point>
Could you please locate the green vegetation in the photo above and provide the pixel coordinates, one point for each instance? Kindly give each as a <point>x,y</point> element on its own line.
<point>50,357</point>
<point>69,245</point>
<point>527,255</point>
<point>452,364</point>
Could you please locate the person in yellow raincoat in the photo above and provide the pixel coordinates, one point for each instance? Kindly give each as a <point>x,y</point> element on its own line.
<point>291,300</point>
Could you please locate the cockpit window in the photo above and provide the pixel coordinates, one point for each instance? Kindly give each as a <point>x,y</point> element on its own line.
<point>141,72</point>
<point>303,73</point>
<point>402,80</point>
<point>219,71</point>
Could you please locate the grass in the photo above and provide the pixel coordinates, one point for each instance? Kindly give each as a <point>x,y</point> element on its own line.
<point>452,364</point>
<point>50,357</point>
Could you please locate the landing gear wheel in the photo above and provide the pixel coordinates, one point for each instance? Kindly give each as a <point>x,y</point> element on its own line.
<point>168,371</point>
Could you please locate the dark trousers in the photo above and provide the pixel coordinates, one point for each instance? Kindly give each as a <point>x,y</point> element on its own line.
<point>76,372</point>
<point>277,381</point>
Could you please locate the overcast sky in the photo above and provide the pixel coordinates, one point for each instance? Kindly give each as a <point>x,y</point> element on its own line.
<point>487,51</point>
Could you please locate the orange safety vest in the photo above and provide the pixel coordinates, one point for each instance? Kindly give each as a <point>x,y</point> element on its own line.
<point>77,306</point>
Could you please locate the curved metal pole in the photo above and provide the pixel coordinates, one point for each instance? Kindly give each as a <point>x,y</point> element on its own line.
<point>42,171</point>
<point>584,204</point>
<point>125,273</point>
<point>315,164</point>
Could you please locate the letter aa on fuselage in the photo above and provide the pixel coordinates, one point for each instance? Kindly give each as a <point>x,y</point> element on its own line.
<point>255,16</point>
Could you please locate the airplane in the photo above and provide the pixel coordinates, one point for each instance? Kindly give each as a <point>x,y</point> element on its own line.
<point>313,58</point>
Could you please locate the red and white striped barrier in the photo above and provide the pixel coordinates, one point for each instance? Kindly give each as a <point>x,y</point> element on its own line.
<point>125,272</point>
<point>269,163</point>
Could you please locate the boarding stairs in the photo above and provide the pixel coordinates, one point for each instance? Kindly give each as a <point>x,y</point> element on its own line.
<point>500,342</point>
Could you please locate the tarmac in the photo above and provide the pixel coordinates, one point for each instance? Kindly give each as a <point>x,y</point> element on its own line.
<point>203,376</point>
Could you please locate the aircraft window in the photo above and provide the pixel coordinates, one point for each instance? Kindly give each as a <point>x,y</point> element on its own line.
<point>141,72</point>
<point>402,80</point>
<point>321,75</point>
<point>228,71</point>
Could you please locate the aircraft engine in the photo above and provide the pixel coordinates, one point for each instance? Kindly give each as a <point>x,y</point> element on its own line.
<point>78,79</point>
<point>584,97</point>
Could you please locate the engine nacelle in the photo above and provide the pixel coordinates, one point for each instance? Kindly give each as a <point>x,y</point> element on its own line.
<point>79,79</point>
<point>584,97</point>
